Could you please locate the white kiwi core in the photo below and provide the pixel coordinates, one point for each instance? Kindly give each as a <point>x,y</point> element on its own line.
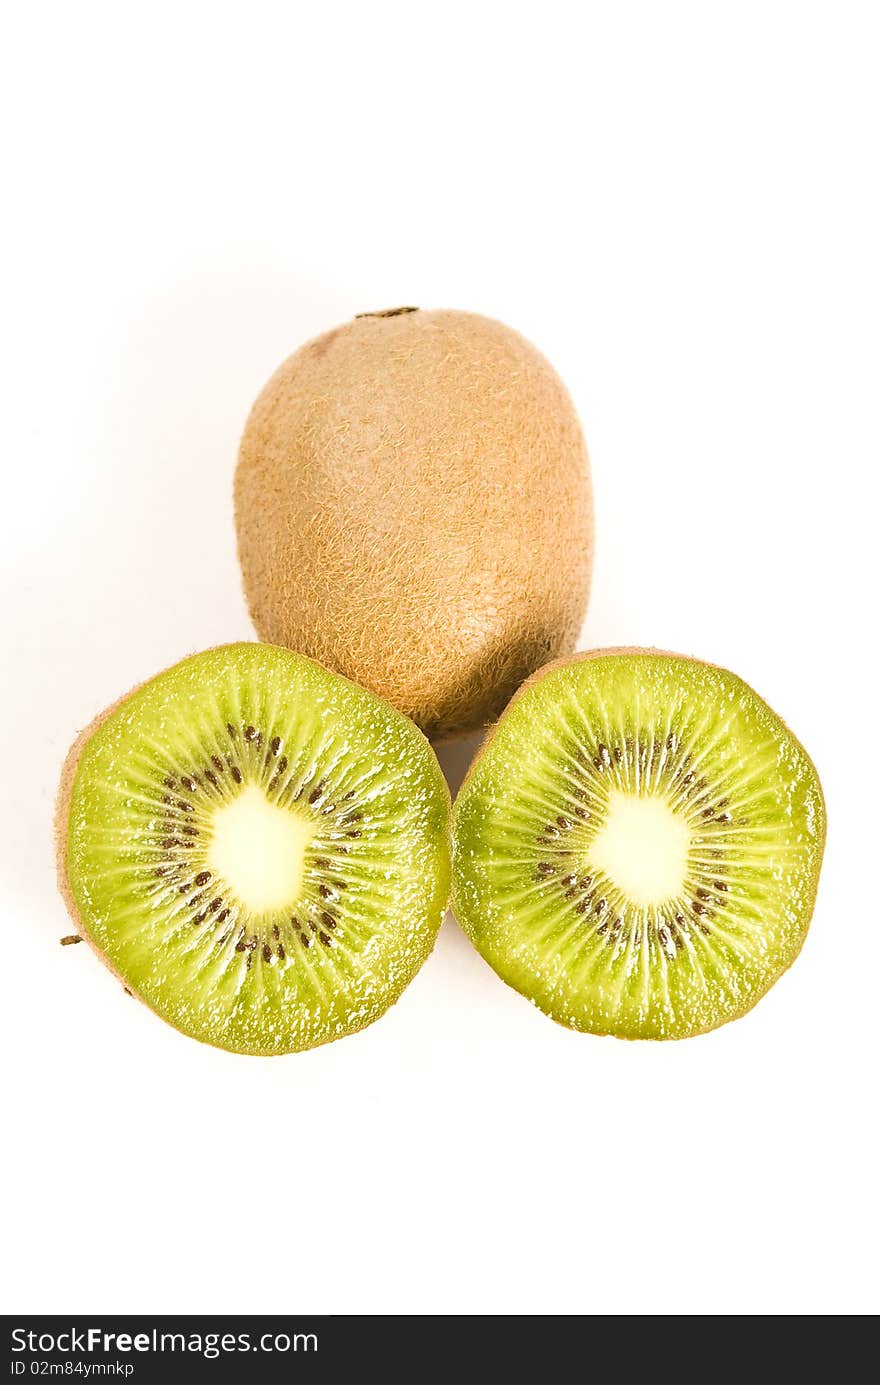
<point>643,847</point>
<point>259,850</point>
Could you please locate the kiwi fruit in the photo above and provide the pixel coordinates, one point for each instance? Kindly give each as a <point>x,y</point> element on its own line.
<point>637,847</point>
<point>414,510</point>
<point>258,848</point>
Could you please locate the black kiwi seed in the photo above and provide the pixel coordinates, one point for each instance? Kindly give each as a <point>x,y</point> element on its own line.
<point>223,916</point>
<point>544,868</point>
<point>322,863</point>
<point>217,763</point>
<point>275,744</point>
<point>236,773</point>
<point>267,952</point>
<point>215,904</point>
<point>325,892</point>
<point>276,931</point>
<point>70,939</point>
<point>325,939</point>
<point>203,877</point>
<point>281,953</point>
<point>305,940</point>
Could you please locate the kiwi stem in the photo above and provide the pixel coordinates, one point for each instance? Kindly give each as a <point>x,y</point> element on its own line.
<point>388,312</point>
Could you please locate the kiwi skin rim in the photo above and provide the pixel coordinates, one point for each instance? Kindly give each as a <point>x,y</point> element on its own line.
<point>62,817</point>
<point>584,657</point>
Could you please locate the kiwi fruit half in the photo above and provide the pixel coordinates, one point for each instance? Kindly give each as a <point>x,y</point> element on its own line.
<point>637,847</point>
<point>257,847</point>
<point>414,510</point>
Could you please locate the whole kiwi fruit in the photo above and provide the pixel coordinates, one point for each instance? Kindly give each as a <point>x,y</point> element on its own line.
<point>414,510</point>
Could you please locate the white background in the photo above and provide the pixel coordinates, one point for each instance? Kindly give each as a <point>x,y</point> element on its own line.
<point>678,204</point>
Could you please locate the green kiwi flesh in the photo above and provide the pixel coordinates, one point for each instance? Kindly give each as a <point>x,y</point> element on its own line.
<point>637,848</point>
<point>258,847</point>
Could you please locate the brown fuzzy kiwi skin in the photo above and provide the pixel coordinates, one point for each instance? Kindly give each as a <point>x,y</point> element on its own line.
<point>585,656</point>
<point>414,510</point>
<point>61,820</point>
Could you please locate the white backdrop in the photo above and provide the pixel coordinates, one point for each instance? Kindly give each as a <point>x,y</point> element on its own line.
<point>678,204</point>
